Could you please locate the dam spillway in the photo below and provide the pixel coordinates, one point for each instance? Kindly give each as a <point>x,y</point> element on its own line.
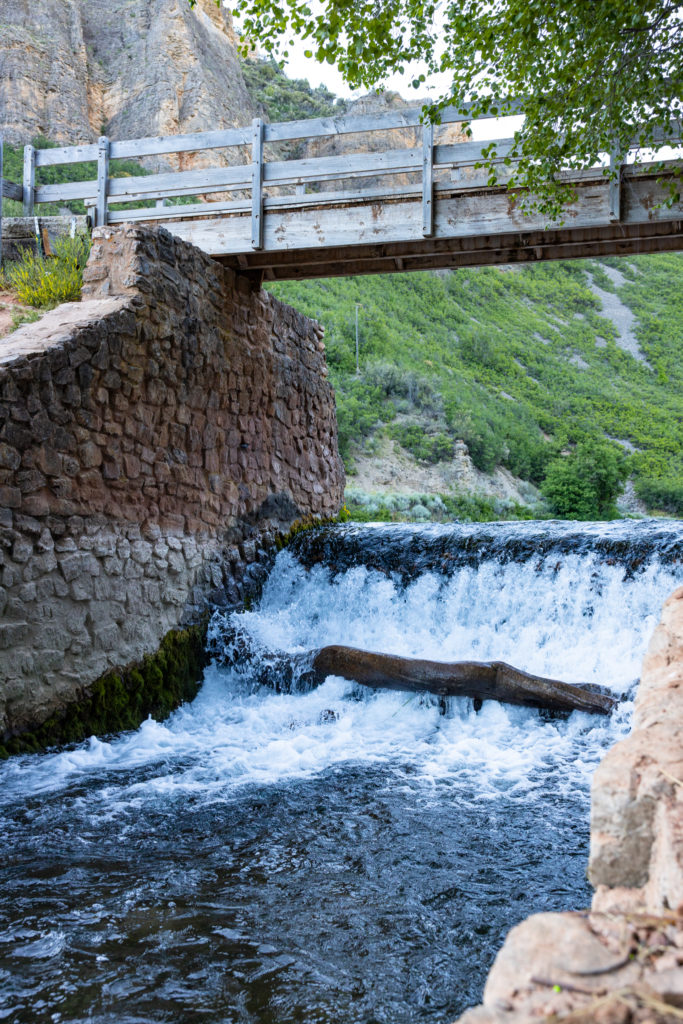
<point>337,853</point>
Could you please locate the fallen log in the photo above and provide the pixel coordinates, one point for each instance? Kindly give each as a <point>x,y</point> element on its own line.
<point>480,680</point>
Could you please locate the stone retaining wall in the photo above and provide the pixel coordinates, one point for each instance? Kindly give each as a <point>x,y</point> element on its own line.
<point>153,439</point>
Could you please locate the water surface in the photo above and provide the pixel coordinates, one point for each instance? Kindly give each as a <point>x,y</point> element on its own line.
<point>338,855</point>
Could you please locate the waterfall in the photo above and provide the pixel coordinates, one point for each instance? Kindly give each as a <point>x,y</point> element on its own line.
<point>335,851</point>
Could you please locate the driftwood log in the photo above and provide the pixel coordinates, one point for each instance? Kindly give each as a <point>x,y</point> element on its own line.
<point>481,680</point>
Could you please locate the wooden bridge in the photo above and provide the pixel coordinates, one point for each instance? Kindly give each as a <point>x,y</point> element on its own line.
<point>281,201</point>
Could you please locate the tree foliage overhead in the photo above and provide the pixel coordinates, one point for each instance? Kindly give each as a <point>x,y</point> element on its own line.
<point>594,74</point>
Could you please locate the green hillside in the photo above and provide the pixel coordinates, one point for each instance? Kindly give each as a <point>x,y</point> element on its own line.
<point>520,363</point>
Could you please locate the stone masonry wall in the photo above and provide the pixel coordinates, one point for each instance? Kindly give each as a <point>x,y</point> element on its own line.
<point>152,439</point>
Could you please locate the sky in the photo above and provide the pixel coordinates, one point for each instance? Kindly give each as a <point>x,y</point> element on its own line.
<point>300,66</point>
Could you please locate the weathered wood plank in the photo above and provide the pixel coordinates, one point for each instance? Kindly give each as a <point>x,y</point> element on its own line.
<point>334,198</point>
<point>350,124</point>
<point>347,165</point>
<point>483,250</point>
<point>224,179</point>
<point>102,180</point>
<point>615,167</point>
<point>480,245</point>
<point>389,222</point>
<point>151,146</point>
<point>257,184</point>
<point>427,179</point>
<point>189,143</point>
<point>29,180</point>
<point>488,212</point>
<point>153,186</point>
<point>12,191</point>
<point>66,191</point>
<point>616,246</point>
<point>66,155</point>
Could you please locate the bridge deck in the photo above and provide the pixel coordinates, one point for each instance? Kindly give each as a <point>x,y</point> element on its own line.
<point>472,227</point>
<point>330,197</point>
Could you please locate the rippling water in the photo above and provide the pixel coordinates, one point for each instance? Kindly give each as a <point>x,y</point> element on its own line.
<point>339,855</point>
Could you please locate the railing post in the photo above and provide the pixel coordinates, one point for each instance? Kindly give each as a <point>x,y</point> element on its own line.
<point>29,179</point>
<point>102,180</point>
<point>615,167</point>
<point>257,184</point>
<point>427,179</point>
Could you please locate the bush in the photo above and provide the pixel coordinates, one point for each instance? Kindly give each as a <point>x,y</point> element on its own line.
<point>585,483</point>
<point>45,282</point>
<point>664,494</point>
<point>427,447</point>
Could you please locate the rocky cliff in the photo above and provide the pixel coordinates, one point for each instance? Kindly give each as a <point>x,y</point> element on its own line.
<point>72,70</point>
<point>621,962</point>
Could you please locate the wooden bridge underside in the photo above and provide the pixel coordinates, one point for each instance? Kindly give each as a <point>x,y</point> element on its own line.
<point>472,227</point>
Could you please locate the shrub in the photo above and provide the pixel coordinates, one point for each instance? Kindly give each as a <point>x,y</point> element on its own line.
<point>45,282</point>
<point>664,494</point>
<point>585,483</point>
<point>427,447</point>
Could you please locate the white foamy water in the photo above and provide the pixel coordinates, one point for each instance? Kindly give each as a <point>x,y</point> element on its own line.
<point>579,620</point>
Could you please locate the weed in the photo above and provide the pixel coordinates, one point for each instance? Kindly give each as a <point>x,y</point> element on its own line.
<point>24,316</point>
<point>45,282</point>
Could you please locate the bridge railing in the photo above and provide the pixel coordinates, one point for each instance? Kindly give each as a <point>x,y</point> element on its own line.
<point>255,179</point>
<point>257,173</point>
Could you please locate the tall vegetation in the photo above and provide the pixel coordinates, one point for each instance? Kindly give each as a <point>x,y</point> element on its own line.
<point>283,98</point>
<point>45,282</point>
<point>585,482</point>
<point>520,364</point>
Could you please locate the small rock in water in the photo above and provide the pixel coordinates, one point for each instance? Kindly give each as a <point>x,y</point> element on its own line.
<point>328,715</point>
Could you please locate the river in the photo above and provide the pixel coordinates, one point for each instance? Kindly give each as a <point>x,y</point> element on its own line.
<point>338,855</point>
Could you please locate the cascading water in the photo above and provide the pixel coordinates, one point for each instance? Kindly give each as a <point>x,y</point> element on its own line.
<point>341,854</point>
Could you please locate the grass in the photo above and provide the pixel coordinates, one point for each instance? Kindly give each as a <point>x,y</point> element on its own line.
<point>24,316</point>
<point>45,282</point>
<point>361,507</point>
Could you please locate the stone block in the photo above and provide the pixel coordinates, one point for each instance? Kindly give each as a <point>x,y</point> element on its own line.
<point>72,566</point>
<point>141,551</point>
<point>10,497</point>
<point>22,550</point>
<point>9,457</point>
<point>12,633</point>
<point>82,588</point>
<point>107,636</point>
<point>90,455</point>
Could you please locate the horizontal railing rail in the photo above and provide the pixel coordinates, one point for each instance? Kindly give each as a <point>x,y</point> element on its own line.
<point>264,177</point>
<point>12,191</point>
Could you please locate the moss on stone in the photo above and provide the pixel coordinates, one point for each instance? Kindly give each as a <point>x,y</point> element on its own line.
<point>303,524</point>
<point>123,698</point>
